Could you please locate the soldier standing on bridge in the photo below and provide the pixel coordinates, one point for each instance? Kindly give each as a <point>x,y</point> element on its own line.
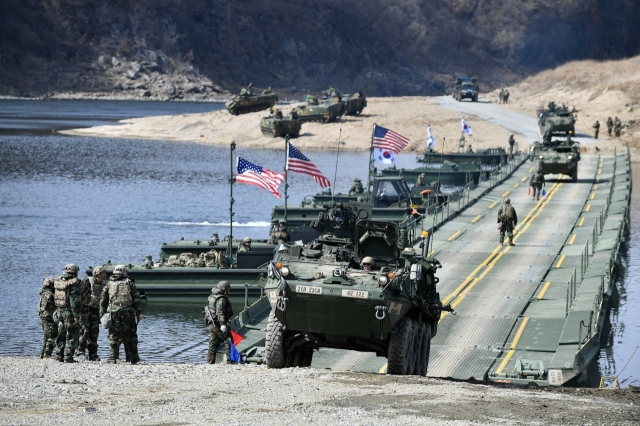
<point>512,142</point>
<point>508,219</point>
<point>220,312</point>
<point>596,126</point>
<point>537,181</point>
<point>609,125</point>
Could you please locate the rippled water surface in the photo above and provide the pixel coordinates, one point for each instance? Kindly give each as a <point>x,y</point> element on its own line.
<point>87,200</point>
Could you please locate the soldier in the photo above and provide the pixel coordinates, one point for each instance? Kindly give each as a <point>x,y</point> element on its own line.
<point>46,309</point>
<point>248,91</point>
<point>552,106</point>
<point>501,95</point>
<point>508,219</point>
<point>356,187</point>
<point>367,263</point>
<point>506,96</point>
<point>420,180</point>
<point>221,310</point>
<point>280,235</point>
<point>245,245</point>
<point>512,142</point>
<point>546,139</point>
<point>469,149</point>
<point>90,329</point>
<point>67,298</point>
<point>596,126</point>
<point>617,126</point>
<point>537,181</point>
<point>121,298</point>
<point>609,125</point>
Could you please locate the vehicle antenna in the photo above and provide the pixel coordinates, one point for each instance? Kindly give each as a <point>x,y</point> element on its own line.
<point>286,165</point>
<point>231,200</point>
<point>335,174</point>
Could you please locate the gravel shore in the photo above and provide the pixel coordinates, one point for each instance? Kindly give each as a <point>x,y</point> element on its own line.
<point>34,391</point>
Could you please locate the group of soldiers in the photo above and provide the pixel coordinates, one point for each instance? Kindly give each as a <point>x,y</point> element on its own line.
<point>615,125</point>
<point>503,96</point>
<point>71,311</point>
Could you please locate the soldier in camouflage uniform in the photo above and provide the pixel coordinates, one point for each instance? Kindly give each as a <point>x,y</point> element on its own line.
<point>90,328</point>
<point>280,235</point>
<point>356,187</point>
<point>46,309</point>
<point>67,299</point>
<point>512,142</point>
<point>596,127</point>
<point>617,126</point>
<point>220,308</point>
<point>537,181</point>
<point>609,125</point>
<point>245,245</point>
<point>420,180</point>
<point>121,298</point>
<point>508,219</point>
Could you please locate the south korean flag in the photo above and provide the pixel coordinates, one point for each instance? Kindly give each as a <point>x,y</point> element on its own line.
<point>384,156</point>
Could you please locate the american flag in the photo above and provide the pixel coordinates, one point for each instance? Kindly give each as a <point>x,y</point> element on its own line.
<point>388,139</point>
<point>255,175</point>
<point>297,162</point>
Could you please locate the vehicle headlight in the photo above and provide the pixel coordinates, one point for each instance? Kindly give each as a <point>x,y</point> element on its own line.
<point>284,271</point>
<point>570,157</point>
<point>383,280</point>
<point>539,156</point>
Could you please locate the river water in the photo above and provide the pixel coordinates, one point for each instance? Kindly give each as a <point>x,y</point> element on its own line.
<point>88,200</point>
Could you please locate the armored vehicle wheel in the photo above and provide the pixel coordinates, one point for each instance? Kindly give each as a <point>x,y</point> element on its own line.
<point>417,349</point>
<point>413,352</point>
<point>425,350</point>
<point>300,356</point>
<point>274,343</point>
<point>474,99</point>
<point>400,346</point>
<point>574,175</point>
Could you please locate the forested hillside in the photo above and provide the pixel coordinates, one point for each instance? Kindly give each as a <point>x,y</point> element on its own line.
<point>202,48</point>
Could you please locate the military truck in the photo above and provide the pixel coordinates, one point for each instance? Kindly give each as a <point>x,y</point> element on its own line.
<point>555,120</point>
<point>251,103</point>
<point>354,104</point>
<point>557,157</point>
<point>278,125</point>
<point>321,296</point>
<point>464,87</point>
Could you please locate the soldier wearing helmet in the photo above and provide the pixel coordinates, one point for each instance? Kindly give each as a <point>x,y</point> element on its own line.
<point>46,309</point>
<point>367,263</point>
<point>67,297</point>
<point>121,299</point>
<point>280,235</point>
<point>90,323</point>
<point>245,245</point>
<point>537,181</point>
<point>221,312</point>
<point>356,187</point>
<point>508,219</point>
<point>420,181</point>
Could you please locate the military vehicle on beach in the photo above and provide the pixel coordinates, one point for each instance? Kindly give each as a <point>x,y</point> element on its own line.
<point>278,125</point>
<point>557,157</point>
<point>251,103</point>
<point>354,104</point>
<point>329,108</point>
<point>464,87</point>
<point>556,120</point>
<point>321,295</point>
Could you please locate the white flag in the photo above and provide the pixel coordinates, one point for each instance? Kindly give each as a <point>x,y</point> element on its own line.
<point>466,127</point>
<point>431,141</point>
<point>385,156</point>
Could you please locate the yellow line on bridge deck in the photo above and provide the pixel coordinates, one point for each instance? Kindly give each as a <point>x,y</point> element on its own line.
<point>593,195</point>
<point>595,187</point>
<point>493,205</point>
<point>581,222</point>
<point>573,238</point>
<point>544,290</point>
<point>505,194</point>
<point>599,171</point>
<point>475,219</point>
<point>454,235</point>
<point>523,179</point>
<point>588,208</point>
<point>516,185</point>
<point>513,346</point>
<point>530,170</point>
<point>559,264</point>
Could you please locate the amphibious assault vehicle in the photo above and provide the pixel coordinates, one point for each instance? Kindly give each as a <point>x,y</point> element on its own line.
<point>330,108</point>
<point>354,104</point>
<point>276,125</point>
<point>557,157</point>
<point>556,120</point>
<point>251,103</point>
<point>464,87</point>
<point>321,296</point>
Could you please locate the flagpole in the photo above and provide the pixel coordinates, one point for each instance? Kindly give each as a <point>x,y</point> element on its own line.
<point>335,174</point>
<point>369,181</point>
<point>231,200</point>
<point>286,185</point>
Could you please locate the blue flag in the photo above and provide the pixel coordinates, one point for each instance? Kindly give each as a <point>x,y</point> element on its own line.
<point>233,353</point>
<point>544,192</point>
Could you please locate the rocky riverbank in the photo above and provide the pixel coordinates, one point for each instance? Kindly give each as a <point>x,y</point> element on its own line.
<point>34,391</point>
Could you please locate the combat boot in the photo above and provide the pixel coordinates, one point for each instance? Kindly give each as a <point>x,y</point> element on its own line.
<point>42,353</point>
<point>511,243</point>
<point>133,353</point>
<point>93,356</point>
<point>501,240</point>
<point>69,360</point>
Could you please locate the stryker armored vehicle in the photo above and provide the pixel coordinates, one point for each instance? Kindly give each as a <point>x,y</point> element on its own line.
<point>464,88</point>
<point>557,157</point>
<point>556,120</point>
<point>354,104</point>
<point>322,296</point>
<point>251,103</point>
<point>277,125</point>
<point>489,156</point>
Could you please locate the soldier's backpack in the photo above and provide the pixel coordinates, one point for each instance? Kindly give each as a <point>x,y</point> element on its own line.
<point>120,293</point>
<point>61,292</point>
<point>507,212</point>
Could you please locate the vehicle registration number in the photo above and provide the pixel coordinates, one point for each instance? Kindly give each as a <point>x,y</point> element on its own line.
<point>308,289</point>
<point>356,294</point>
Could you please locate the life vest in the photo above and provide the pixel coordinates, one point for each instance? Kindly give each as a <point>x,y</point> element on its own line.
<point>120,294</point>
<point>96,292</point>
<point>226,312</point>
<point>508,212</point>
